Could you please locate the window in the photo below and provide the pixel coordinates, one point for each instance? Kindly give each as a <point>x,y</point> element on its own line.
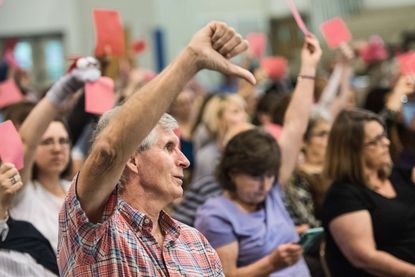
<point>41,55</point>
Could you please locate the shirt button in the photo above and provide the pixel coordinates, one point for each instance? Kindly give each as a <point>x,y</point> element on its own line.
<point>146,221</point>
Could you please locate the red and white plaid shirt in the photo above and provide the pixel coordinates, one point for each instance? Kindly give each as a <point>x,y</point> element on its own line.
<point>122,244</point>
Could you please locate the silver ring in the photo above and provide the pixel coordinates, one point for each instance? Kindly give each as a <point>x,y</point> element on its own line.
<point>13,180</point>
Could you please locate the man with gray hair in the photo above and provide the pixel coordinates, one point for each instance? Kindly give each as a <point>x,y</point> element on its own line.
<point>107,230</point>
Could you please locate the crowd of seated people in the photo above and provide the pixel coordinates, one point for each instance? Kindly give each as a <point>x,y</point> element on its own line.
<point>250,171</point>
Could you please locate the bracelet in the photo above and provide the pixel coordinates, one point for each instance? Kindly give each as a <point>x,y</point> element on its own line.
<point>404,99</point>
<point>300,77</point>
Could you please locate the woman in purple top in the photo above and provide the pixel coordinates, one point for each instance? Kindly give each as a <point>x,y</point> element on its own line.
<point>248,225</point>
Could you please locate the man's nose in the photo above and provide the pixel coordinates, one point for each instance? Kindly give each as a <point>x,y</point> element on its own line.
<point>183,161</point>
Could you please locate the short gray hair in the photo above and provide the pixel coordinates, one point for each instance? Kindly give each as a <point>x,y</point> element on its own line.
<point>166,122</point>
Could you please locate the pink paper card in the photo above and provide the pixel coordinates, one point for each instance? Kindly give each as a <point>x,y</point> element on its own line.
<point>109,33</point>
<point>297,17</point>
<point>374,50</point>
<point>11,146</point>
<point>275,67</point>
<point>257,44</point>
<point>335,32</point>
<point>99,96</point>
<point>407,63</point>
<point>9,93</point>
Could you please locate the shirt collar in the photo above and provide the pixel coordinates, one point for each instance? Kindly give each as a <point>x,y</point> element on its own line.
<point>140,222</point>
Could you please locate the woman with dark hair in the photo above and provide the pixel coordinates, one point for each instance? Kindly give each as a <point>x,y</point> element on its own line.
<point>369,211</point>
<point>47,157</point>
<point>250,211</point>
<point>248,224</point>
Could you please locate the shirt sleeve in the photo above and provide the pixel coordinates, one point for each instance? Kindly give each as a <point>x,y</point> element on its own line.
<point>344,198</point>
<point>217,228</point>
<point>75,226</point>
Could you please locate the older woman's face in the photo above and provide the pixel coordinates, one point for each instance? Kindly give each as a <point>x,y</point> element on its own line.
<point>317,143</point>
<point>376,146</point>
<point>52,154</point>
<point>252,189</point>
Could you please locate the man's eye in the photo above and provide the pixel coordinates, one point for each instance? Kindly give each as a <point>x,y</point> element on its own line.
<point>170,146</point>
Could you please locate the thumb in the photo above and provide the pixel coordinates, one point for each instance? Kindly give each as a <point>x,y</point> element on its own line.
<point>233,69</point>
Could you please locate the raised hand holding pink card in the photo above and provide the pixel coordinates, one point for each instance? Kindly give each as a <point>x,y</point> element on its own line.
<point>407,63</point>
<point>11,146</point>
<point>297,17</point>
<point>99,95</point>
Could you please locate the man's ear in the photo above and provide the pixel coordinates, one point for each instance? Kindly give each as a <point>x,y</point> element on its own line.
<point>132,164</point>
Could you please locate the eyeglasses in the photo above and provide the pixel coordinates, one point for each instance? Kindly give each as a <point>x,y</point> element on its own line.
<point>49,142</point>
<point>376,140</point>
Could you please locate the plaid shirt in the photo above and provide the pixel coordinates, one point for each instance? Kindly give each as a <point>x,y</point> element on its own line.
<point>122,245</point>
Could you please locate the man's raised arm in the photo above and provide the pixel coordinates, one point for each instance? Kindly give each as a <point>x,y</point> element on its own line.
<point>210,48</point>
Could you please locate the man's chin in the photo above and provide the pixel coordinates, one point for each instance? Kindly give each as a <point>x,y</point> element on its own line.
<point>179,194</point>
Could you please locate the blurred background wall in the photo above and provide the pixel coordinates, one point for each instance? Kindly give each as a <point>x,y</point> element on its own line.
<point>49,31</point>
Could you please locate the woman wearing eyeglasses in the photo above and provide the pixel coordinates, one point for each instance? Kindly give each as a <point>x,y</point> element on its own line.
<point>369,210</point>
<point>47,156</point>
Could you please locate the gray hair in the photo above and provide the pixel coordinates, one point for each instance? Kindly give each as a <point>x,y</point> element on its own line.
<point>166,122</point>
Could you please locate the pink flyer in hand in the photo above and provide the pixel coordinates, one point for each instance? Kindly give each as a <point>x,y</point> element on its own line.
<point>9,93</point>
<point>297,17</point>
<point>99,96</point>
<point>11,146</point>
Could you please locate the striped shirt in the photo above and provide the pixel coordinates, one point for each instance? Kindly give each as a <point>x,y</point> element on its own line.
<point>197,194</point>
<point>14,263</point>
<point>122,245</point>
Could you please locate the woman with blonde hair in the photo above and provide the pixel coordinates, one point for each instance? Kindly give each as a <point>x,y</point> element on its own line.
<point>221,113</point>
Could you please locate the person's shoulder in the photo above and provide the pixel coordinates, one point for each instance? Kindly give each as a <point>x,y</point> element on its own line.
<point>345,187</point>
<point>216,207</point>
<point>346,194</point>
<point>342,193</point>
